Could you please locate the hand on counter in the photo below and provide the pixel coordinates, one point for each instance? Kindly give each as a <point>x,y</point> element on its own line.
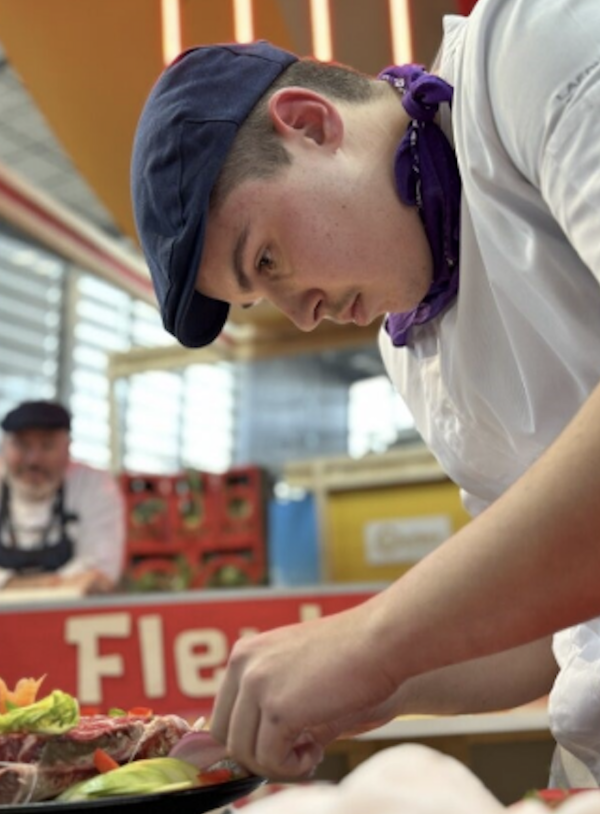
<point>86,583</point>
<point>33,581</point>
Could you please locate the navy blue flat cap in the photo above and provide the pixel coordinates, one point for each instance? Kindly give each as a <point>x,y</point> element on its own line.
<point>37,415</point>
<point>186,129</point>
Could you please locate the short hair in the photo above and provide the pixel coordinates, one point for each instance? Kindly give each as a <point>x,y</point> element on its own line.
<point>257,151</point>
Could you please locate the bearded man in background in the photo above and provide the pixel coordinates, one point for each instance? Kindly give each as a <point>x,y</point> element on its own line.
<point>61,522</point>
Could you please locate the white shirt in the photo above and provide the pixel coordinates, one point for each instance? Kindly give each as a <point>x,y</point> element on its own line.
<point>493,380</point>
<point>98,534</point>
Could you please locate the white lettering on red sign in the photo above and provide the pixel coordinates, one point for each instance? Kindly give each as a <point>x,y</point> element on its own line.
<point>85,633</point>
<point>189,662</point>
<point>310,611</point>
<point>152,655</point>
<point>200,654</point>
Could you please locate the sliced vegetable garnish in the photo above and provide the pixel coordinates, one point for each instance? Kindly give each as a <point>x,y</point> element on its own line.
<point>200,749</point>
<point>52,715</point>
<point>24,693</point>
<point>142,712</point>
<point>150,776</point>
<point>104,762</point>
<point>214,776</point>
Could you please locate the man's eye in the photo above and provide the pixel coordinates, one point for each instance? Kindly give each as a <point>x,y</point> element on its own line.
<point>266,262</point>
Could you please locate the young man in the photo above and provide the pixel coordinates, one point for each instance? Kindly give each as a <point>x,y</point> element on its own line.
<point>335,196</point>
<point>61,523</point>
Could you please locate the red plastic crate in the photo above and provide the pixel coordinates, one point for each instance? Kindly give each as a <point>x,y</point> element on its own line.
<point>231,570</point>
<point>159,573</point>
<point>241,501</point>
<point>147,505</point>
<point>193,506</point>
<point>217,522</point>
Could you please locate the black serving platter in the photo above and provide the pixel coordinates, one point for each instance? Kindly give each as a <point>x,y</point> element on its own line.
<point>190,801</point>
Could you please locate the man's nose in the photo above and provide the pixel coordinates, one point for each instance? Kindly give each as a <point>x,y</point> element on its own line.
<point>32,455</point>
<point>299,309</point>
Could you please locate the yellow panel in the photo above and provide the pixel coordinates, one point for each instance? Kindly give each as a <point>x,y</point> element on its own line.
<point>349,511</point>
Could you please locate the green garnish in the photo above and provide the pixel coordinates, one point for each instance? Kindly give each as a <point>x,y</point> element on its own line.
<point>150,776</point>
<point>52,715</point>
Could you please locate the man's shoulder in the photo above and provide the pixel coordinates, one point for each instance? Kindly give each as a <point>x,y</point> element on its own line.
<point>85,475</point>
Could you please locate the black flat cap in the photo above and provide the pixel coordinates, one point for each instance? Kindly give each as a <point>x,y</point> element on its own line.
<point>37,415</point>
<point>184,134</point>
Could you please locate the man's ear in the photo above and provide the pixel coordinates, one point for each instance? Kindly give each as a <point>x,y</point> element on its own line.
<point>299,113</point>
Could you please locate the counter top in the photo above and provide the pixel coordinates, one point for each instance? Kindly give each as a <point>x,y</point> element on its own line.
<point>529,718</point>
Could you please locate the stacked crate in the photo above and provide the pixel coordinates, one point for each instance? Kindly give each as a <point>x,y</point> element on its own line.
<point>234,553</point>
<point>196,529</point>
<point>152,558</point>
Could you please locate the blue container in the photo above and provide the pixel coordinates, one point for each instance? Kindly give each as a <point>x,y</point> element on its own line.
<point>293,542</point>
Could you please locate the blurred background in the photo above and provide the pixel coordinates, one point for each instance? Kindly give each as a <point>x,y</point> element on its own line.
<point>78,320</point>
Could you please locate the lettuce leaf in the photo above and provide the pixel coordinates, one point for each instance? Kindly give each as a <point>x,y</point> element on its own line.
<point>52,715</point>
<point>138,777</point>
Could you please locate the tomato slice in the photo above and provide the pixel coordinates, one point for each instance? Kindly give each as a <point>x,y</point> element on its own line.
<point>104,762</point>
<point>554,797</point>
<point>211,778</point>
<point>142,712</point>
<point>88,710</point>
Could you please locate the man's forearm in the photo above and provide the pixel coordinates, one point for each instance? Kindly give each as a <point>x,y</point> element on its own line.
<point>526,567</point>
<point>497,682</point>
<point>500,681</point>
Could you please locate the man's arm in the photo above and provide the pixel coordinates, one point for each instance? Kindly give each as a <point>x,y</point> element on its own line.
<point>523,569</point>
<point>98,561</point>
<point>526,567</point>
<point>500,681</point>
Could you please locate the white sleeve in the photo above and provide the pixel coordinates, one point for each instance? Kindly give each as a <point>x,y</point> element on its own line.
<point>100,540</point>
<point>570,178</point>
<point>544,75</point>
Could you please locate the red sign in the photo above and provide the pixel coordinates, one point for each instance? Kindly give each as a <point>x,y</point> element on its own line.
<point>167,653</point>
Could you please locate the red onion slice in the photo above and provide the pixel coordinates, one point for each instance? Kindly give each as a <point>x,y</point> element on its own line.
<point>200,749</point>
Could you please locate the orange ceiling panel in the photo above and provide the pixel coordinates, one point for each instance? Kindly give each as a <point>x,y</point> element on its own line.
<point>89,64</point>
<point>88,67</point>
<point>205,21</point>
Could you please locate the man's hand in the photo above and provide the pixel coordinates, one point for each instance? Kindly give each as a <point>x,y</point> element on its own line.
<point>32,581</point>
<point>290,691</point>
<point>89,582</point>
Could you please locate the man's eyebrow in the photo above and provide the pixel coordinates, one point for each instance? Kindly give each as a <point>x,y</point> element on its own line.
<point>238,265</point>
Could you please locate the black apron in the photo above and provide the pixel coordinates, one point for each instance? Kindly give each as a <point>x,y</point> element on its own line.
<point>45,556</point>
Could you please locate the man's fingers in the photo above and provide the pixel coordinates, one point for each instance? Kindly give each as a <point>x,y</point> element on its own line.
<point>258,737</point>
<point>241,736</point>
<point>219,722</point>
<point>285,754</point>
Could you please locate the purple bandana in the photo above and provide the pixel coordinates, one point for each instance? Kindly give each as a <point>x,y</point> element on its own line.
<point>427,177</point>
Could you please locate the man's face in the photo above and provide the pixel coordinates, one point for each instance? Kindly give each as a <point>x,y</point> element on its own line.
<point>36,460</point>
<point>325,239</point>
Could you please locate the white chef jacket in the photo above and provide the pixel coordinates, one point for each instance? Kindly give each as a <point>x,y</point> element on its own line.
<point>98,534</point>
<point>494,379</point>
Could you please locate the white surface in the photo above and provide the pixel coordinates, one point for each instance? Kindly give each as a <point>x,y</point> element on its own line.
<point>33,596</point>
<point>531,718</point>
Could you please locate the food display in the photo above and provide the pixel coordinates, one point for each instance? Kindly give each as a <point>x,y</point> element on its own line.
<point>50,751</point>
<point>555,798</point>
